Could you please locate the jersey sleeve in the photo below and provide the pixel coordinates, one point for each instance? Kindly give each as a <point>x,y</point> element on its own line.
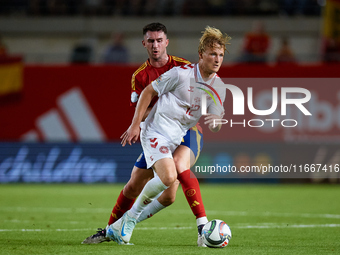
<point>217,108</point>
<point>166,82</point>
<point>136,90</point>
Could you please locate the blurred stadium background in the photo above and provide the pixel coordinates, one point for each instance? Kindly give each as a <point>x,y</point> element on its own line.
<point>63,105</point>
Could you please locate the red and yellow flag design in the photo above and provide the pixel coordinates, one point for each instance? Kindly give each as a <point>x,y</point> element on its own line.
<point>331,27</point>
<point>11,75</point>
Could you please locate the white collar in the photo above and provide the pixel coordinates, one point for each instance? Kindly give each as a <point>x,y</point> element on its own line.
<point>198,76</point>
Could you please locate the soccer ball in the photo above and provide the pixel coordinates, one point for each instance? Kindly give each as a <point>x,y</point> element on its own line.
<point>216,234</point>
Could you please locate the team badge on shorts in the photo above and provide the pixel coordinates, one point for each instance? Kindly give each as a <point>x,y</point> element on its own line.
<point>164,149</point>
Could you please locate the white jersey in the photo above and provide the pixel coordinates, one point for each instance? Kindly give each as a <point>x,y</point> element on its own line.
<point>178,108</point>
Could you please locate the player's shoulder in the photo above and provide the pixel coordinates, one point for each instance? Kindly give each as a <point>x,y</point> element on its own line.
<point>218,80</point>
<point>140,69</point>
<point>138,76</point>
<point>184,72</point>
<point>179,61</point>
<point>184,69</point>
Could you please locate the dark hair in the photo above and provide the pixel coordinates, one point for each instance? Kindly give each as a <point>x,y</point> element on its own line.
<point>154,27</point>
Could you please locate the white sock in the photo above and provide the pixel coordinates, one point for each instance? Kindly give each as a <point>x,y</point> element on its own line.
<point>151,209</point>
<point>150,191</point>
<point>201,220</point>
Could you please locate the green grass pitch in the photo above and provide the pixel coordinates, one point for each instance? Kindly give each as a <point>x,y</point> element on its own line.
<point>264,219</point>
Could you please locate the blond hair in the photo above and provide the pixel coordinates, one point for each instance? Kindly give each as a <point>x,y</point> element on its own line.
<point>211,36</point>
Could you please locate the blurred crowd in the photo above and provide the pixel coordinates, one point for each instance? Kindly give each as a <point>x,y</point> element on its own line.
<point>255,49</point>
<point>257,43</point>
<point>160,7</point>
<point>257,46</point>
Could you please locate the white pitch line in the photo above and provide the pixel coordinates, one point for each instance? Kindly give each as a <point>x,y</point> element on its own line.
<point>44,221</point>
<point>43,230</point>
<point>261,214</point>
<point>266,226</point>
<point>290,226</point>
<point>54,210</point>
<point>209,212</point>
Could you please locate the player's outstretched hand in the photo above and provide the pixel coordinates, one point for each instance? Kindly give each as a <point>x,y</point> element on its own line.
<point>214,122</point>
<point>130,135</point>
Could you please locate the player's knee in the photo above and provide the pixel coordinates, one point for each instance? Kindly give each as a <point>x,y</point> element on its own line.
<point>181,164</point>
<point>169,179</point>
<point>132,191</point>
<point>167,200</point>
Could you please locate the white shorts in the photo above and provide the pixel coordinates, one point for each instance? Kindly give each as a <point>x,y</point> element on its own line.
<point>156,147</point>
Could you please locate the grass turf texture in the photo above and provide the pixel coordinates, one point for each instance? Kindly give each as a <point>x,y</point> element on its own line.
<point>264,219</point>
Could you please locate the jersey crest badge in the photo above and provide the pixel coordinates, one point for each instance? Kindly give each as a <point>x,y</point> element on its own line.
<point>164,149</point>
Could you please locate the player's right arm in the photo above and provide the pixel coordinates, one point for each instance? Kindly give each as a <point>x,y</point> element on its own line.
<point>147,113</point>
<point>163,84</point>
<point>132,133</point>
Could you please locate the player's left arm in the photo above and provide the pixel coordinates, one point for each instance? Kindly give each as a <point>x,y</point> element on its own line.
<point>216,112</point>
<point>132,133</point>
<point>214,121</point>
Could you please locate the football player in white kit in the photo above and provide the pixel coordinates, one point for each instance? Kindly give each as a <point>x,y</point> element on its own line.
<point>181,92</point>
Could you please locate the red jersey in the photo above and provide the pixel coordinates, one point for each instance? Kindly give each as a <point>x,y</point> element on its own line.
<point>257,43</point>
<point>147,73</point>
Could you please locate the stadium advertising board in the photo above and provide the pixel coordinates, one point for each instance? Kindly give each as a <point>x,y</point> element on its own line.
<point>109,162</point>
<point>79,104</point>
<point>66,162</point>
<point>63,108</point>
